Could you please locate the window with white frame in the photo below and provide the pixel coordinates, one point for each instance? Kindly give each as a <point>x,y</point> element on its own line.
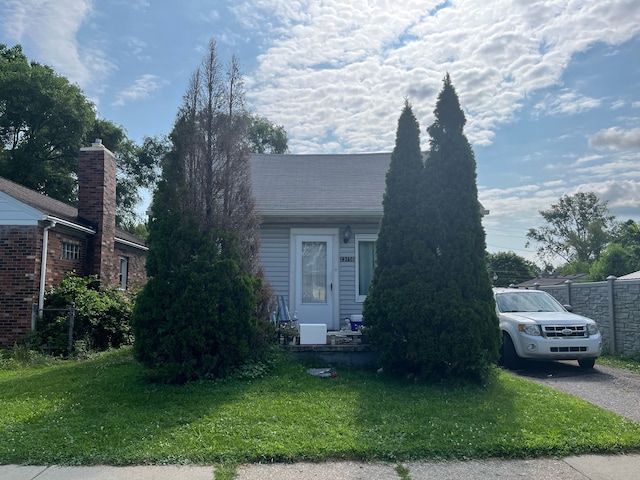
<point>69,251</point>
<point>124,267</point>
<point>365,264</point>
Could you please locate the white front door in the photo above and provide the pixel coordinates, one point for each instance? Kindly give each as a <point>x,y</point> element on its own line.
<point>315,282</point>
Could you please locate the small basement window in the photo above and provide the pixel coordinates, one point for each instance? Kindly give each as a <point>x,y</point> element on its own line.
<point>69,251</point>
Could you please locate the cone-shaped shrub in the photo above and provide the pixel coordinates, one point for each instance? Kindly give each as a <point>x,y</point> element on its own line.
<point>459,311</point>
<point>390,307</point>
<point>430,309</point>
<point>196,316</point>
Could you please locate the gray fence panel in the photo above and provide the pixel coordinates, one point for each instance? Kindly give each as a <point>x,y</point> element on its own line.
<point>614,304</point>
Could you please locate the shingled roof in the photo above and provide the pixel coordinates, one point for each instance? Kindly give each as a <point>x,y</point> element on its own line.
<point>56,208</point>
<point>331,185</point>
<point>46,205</point>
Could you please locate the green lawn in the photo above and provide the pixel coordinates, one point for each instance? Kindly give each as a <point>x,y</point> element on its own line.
<point>628,362</point>
<point>105,410</point>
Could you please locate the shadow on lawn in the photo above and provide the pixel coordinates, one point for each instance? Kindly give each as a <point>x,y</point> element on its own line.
<point>396,419</point>
<point>560,369</point>
<point>106,411</point>
<point>103,410</point>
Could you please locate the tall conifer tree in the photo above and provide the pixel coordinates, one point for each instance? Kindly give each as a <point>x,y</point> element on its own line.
<point>461,323</point>
<point>392,294</point>
<point>197,315</point>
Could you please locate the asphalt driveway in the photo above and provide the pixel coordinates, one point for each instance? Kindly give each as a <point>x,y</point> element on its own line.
<point>611,388</point>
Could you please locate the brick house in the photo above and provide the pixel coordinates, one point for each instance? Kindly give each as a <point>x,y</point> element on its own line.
<point>84,239</point>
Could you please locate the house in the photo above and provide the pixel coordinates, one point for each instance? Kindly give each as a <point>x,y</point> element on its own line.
<point>320,217</point>
<point>548,279</point>
<point>41,239</point>
<point>630,276</point>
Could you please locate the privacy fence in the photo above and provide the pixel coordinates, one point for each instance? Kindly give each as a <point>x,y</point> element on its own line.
<point>614,304</point>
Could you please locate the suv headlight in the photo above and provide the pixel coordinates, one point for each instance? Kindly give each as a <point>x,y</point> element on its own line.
<point>529,329</point>
<point>593,328</point>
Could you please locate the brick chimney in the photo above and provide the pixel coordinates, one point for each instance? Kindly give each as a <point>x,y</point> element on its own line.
<point>97,205</point>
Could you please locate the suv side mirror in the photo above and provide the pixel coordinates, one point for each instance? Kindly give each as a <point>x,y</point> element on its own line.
<point>568,307</point>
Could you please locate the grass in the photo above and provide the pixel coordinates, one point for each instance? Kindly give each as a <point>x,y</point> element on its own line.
<point>628,362</point>
<point>106,411</point>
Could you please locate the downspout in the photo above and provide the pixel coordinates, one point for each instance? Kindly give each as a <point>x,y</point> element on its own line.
<point>43,268</point>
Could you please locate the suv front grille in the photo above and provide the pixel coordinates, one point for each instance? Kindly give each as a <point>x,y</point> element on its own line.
<point>568,349</point>
<point>565,331</point>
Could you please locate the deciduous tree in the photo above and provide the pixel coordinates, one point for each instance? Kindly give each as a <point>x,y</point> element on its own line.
<point>43,121</point>
<point>508,268</point>
<point>578,229</point>
<point>622,255</point>
<point>265,136</point>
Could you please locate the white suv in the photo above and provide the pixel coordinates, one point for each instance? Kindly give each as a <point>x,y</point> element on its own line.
<point>536,326</point>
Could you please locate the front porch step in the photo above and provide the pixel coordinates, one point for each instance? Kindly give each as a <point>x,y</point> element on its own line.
<point>344,354</point>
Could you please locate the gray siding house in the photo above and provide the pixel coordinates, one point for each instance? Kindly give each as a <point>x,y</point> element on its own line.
<point>320,217</point>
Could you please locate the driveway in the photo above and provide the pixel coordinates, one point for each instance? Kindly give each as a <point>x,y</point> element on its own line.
<point>608,387</point>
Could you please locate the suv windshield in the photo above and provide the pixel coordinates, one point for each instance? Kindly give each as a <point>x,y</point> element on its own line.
<point>527,302</point>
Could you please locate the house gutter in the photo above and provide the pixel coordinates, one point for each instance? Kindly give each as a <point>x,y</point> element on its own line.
<point>66,223</point>
<point>43,268</point>
<point>53,221</point>
<point>314,213</point>
<point>131,244</point>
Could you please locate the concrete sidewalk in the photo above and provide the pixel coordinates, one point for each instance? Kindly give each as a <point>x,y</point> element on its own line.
<point>593,467</point>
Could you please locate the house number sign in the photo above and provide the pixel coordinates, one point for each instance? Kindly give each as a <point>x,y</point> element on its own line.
<point>347,259</point>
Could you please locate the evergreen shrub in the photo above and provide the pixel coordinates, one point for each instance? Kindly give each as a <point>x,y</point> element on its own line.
<point>197,316</point>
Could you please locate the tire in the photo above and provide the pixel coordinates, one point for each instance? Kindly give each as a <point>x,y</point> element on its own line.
<point>587,362</point>
<point>508,356</point>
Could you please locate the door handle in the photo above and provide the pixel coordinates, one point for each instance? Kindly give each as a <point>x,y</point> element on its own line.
<point>331,286</point>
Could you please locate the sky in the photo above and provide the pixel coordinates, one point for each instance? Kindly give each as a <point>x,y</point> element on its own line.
<point>550,88</point>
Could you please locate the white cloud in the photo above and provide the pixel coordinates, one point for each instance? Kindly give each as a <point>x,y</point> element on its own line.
<point>337,61</point>
<point>137,47</point>
<point>618,104</point>
<point>623,197</point>
<point>51,27</point>
<point>141,88</point>
<point>616,139</point>
<point>566,103</point>
<point>588,159</point>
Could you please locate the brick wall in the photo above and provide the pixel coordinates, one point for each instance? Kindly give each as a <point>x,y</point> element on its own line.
<point>137,275</point>
<point>21,248</point>
<point>58,267</point>
<point>97,204</point>
<point>19,282</point>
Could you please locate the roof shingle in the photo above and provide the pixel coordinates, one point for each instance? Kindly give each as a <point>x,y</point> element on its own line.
<point>339,184</point>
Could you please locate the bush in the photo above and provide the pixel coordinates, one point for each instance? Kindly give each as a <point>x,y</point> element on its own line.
<point>102,316</point>
<point>198,323</point>
<point>203,311</point>
<point>430,309</point>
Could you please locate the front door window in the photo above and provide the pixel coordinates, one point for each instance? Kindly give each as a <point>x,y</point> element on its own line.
<point>314,278</point>
<point>314,272</point>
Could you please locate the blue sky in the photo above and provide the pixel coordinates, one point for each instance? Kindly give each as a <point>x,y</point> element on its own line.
<point>551,88</point>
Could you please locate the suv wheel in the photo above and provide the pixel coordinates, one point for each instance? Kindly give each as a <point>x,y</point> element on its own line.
<point>587,362</point>
<point>509,357</point>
